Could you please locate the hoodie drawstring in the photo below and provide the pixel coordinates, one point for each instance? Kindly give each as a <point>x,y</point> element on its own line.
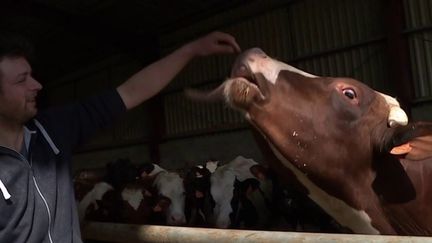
<point>5,192</point>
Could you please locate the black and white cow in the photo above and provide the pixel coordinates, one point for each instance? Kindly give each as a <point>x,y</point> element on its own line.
<point>231,186</point>
<point>147,194</point>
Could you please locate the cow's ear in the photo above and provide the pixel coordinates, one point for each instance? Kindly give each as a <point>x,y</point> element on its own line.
<point>259,171</point>
<point>413,142</point>
<point>162,204</point>
<point>419,148</point>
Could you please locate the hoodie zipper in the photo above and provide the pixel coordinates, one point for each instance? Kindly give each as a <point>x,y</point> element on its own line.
<point>41,195</point>
<point>37,188</point>
<point>47,208</point>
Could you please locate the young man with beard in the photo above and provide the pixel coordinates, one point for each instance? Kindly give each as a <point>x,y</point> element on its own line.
<point>37,200</point>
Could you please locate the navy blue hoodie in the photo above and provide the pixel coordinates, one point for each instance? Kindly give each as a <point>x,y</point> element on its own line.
<point>37,202</point>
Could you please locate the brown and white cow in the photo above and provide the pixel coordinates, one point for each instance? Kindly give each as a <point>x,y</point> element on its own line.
<point>231,184</point>
<point>96,190</point>
<point>127,194</point>
<point>340,139</point>
<point>164,193</point>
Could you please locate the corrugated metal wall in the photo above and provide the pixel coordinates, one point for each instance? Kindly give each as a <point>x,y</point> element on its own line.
<point>332,38</point>
<point>133,129</point>
<point>183,116</point>
<point>324,37</point>
<point>419,29</point>
<point>340,38</point>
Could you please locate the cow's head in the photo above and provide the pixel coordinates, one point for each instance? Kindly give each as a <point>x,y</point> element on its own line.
<point>170,185</point>
<point>170,198</point>
<point>325,128</point>
<point>298,113</point>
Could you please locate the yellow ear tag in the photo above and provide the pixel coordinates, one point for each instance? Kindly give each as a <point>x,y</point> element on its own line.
<point>401,149</point>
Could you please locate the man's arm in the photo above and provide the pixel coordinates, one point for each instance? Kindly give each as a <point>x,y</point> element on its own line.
<point>153,78</point>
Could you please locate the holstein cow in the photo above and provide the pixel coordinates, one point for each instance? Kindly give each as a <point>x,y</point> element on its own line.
<point>85,179</point>
<point>96,190</point>
<point>127,194</point>
<point>171,193</point>
<point>341,140</point>
<point>223,186</point>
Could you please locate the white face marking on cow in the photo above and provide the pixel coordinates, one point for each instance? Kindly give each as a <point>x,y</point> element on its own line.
<point>133,197</point>
<point>171,186</point>
<point>241,167</point>
<point>211,166</point>
<point>270,68</point>
<point>156,170</point>
<point>96,193</point>
<point>222,187</point>
<point>356,220</point>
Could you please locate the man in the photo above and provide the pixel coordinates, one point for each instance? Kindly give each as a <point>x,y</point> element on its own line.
<point>37,199</point>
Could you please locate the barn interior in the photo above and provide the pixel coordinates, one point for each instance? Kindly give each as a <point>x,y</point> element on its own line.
<point>85,46</point>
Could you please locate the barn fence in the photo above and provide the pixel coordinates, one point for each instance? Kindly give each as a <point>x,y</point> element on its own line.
<point>109,232</point>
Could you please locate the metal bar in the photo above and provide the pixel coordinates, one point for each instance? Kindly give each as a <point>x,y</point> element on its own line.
<point>422,100</point>
<point>336,50</point>
<point>398,54</point>
<point>148,233</point>
<point>169,137</point>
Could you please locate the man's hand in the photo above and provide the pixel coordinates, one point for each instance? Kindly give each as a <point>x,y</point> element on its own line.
<point>150,80</point>
<point>213,43</point>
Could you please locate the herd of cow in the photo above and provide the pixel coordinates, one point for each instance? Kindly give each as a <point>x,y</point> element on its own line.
<point>239,194</point>
<point>345,146</point>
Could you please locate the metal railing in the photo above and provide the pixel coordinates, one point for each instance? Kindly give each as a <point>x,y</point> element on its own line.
<point>109,232</point>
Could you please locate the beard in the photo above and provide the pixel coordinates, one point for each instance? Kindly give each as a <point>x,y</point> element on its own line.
<point>30,111</point>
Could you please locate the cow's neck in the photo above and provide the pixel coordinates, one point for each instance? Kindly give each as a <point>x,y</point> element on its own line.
<point>356,220</point>
<point>364,216</point>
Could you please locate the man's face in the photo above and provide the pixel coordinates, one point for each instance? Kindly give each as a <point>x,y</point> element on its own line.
<point>18,90</point>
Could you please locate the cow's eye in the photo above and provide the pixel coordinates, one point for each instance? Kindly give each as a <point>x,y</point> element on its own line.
<point>350,93</point>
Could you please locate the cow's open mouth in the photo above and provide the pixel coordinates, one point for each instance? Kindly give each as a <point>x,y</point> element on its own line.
<point>240,90</point>
<point>252,80</point>
<point>247,81</point>
<point>243,71</point>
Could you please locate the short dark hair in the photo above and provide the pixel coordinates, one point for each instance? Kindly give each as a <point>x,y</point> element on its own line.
<point>14,45</point>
